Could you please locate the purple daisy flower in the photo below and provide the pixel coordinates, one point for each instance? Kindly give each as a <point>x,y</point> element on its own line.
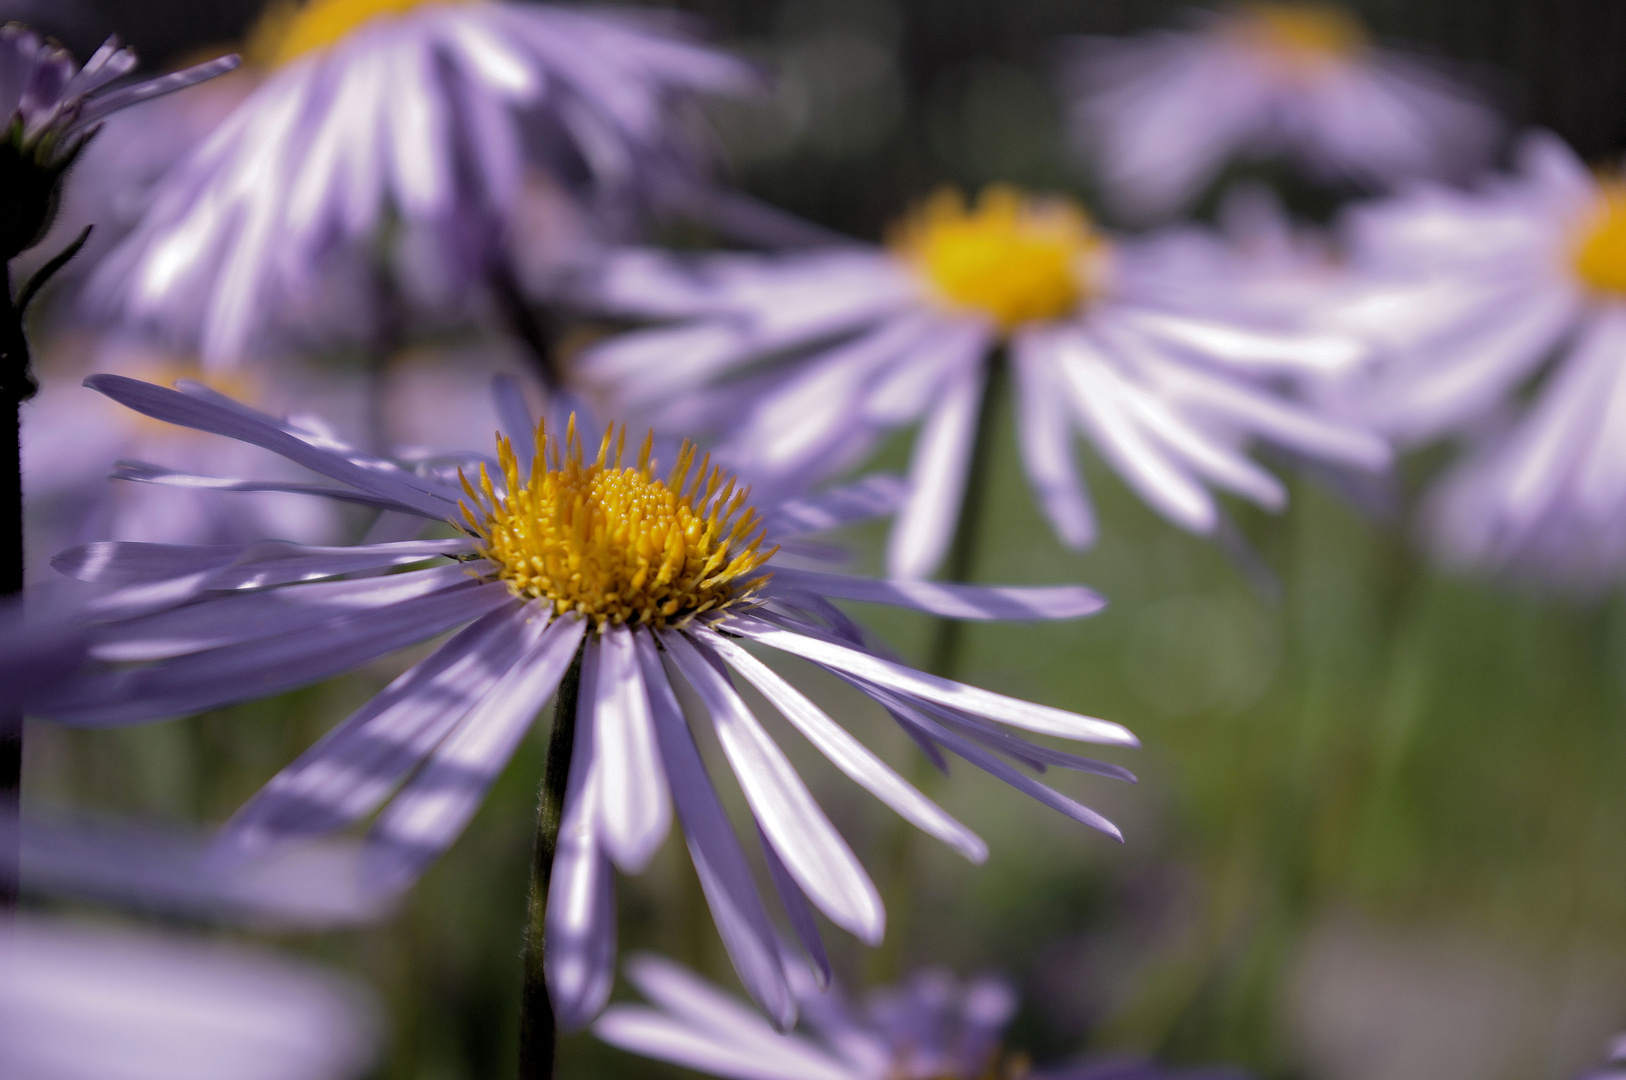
<point>96,1004</point>
<point>932,1027</point>
<point>51,107</point>
<point>1103,335</point>
<point>1474,295</point>
<point>561,558</point>
<point>1159,116</point>
<point>420,114</point>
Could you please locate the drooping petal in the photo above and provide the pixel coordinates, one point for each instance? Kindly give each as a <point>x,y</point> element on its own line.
<point>580,953</point>
<point>354,767</point>
<point>794,901</point>
<point>953,601</point>
<point>822,863</point>
<point>261,668</point>
<point>862,500</point>
<point>937,474</point>
<point>1024,714</point>
<point>435,805</point>
<point>635,810</point>
<point>1045,436</point>
<point>140,472</point>
<point>1099,402</point>
<point>705,1010</point>
<point>245,616</point>
<point>990,764</point>
<point>724,874</point>
<point>845,752</point>
<point>247,426</point>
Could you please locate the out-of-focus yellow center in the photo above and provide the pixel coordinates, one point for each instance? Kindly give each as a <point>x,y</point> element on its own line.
<point>1016,259</point>
<point>289,29</point>
<point>1600,251</point>
<point>234,383</point>
<point>614,542</point>
<point>1304,35</point>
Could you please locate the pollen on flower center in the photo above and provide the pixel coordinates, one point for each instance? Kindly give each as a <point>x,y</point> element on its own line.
<point>1600,251</point>
<point>614,542</point>
<point>1016,259</point>
<point>1304,35</point>
<point>288,30</point>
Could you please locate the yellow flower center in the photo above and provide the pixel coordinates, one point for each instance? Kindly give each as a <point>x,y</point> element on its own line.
<point>1301,35</point>
<point>613,542</point>
<point>288,29</point>
<point>1600,252</point>
<point>1016,259</point>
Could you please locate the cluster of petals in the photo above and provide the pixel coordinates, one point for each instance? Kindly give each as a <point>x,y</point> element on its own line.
<point>50,103</point>
<point>1159,116</point>
<point>931,1027</point>
<point>427,117</point>
<point>1471,296</point>
<point>802,361</point>
<point>174,629</point>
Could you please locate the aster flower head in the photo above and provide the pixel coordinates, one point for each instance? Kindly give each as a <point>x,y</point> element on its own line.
<point>644,579</point>
<point>803,361</point>
<point>933,1026</point>
<point>421,117</point>
<point>1475,297</point>
<point>1160,115</point>
<point>51,107</point>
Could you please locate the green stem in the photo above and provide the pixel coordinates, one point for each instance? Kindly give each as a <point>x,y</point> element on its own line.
<point>942,658</point>
<point>384,340</point>
<point>537,330</point>
<point>538,1036</point>
<point>948,639</point>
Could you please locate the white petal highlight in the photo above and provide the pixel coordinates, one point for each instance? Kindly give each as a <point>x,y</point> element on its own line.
<point>822,863</point>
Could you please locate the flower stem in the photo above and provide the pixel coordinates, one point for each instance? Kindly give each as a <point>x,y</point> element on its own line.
<point>949,637</point>
<point>537,330</point>
<point>16,387</point>
<point>384,340</point>
<point>538,1036</point>
<point>943,658</point>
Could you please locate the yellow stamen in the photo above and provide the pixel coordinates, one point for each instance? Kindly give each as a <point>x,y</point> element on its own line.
<point>1302,35</point>
<point>612,541</point>
<point>1600,251</point>
<point>1014,258</point>
<point>288,29</point>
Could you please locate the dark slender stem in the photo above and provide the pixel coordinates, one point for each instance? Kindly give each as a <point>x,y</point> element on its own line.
<point>536,328</point>
<point>943,658</point>
<point>16,386</point>
<point>383,342</point>
<point>949,638</point>
<point>538,1037</point>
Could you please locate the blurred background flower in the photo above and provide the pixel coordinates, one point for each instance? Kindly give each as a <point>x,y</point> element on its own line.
<point>1095,332</point>
<point>84,1003</point>
<point>1162,115</point>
